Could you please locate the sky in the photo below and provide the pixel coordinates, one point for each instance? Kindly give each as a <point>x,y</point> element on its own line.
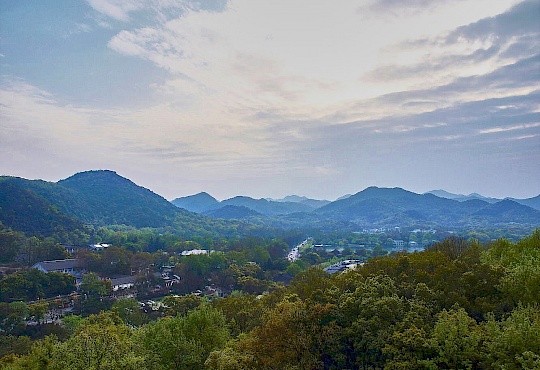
<point>267,98</point>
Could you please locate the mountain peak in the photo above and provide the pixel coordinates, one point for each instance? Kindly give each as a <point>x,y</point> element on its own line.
<point>199,202</point>
<point>94,174</point>
<point>107,194</point>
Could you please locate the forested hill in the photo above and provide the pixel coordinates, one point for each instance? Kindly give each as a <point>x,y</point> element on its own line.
<point>95,198</point>
<point>395,206</point>
<point>24,208</point>
<point>373,207</point>
<point>103,197</point>
<point>112,199</point>
<point>206,204</point>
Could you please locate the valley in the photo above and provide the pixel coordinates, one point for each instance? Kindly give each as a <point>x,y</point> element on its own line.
<point>143,262</point>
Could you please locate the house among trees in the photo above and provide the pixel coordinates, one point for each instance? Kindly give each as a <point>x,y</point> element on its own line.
<point>67,266</point>
<point>123,282</point>
<point>73,250</point>
<point>399,243</point>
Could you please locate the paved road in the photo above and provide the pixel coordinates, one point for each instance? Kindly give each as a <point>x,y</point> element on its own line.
<point>294,254</point>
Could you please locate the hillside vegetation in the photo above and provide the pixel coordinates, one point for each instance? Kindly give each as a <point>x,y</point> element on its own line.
<point>69,209</point>
<point>457,305</point>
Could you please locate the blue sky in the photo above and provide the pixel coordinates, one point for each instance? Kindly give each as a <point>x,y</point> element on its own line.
<point>270,98</point>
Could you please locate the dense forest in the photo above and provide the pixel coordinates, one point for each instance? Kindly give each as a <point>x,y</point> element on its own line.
<point>459,304</point>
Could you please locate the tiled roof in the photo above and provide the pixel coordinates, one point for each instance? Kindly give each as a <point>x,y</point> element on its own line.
<point>57,265</point>
<point>123,280</point>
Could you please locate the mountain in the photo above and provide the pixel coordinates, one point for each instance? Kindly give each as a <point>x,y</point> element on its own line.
<point>460,197</point>
<point>112,199</point>
<point>384,207</point>
<point>233,212</point>
<point>266,207</point>
<point>533,202</point>
<point>101,198</point>
<point>444,194</point>
<point>22,208</point>
<point>198,203</point>
<point>206,204</point>
<point>313,203</point>
<point>507,211</point>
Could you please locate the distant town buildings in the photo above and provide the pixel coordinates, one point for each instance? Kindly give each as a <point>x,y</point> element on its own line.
<point>398,243</point>
<point>194,252</point>
<point>342,266</point>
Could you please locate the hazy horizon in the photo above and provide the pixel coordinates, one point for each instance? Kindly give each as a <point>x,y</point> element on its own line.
<point>292,194</point>
<point>269,99</point>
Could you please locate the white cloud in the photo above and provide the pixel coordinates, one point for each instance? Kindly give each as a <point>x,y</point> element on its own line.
<point>498,129</point>
<point>277,89</point>
<point>301,55</point>
<point>117,9</point>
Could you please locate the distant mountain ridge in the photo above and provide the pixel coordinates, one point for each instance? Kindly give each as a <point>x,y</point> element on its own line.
<point>462,197</point>
<point>383,207</point>
<point>205,203</point>
<point>313,203</point>
<point>101,198</point>
<point>533,202</point>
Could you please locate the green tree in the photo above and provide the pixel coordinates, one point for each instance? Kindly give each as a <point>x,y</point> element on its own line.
<point>115,260</point>
<point>39,310</point>
<point>457,341</point>
<point>93,286</point>
<point>101,342</point>
<point>514,343</point>
<point>93,289</point>
<point>11,243</point>
<point>129,311</point>
<point>183,342</point>
<point>175,305</point>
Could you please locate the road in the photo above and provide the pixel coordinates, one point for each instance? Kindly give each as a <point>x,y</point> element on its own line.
<point>294,254</point>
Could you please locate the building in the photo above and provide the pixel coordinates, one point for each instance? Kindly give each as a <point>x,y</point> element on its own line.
<point>73,250</point>
<point>399,243</point>
<point>342,266</point>
<point>194,252</point>
<point>123,282</point>
<point>99,247</point>
<point>67,266</point>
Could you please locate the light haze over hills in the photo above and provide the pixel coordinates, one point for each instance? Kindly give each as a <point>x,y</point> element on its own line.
<point>97,198</point>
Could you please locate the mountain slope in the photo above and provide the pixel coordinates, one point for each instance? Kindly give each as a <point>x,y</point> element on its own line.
<point>266,207</point>
<point>112,199</point>
<point>199,203</point>
<point>101,198</point>
<point>383,206</point>
<point>24,209</point>
<point>313,203</point>
<point>460,197</point>
<point>508,211</point>
<point>533,202</point>
<point>233,212</point>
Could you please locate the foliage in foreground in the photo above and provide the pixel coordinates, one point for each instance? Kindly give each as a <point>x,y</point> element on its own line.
<point>457,305</point>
